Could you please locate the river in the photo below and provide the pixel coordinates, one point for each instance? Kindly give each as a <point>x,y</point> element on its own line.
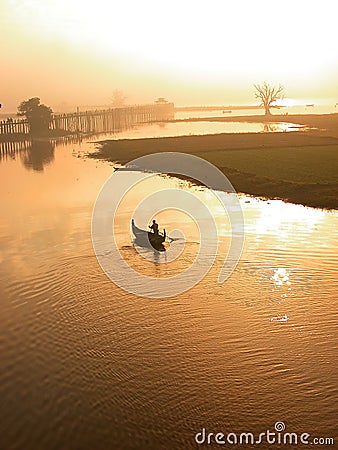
<point>85,364</point>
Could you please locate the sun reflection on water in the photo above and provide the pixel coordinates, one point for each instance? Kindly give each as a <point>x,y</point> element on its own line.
<point>281,277</point>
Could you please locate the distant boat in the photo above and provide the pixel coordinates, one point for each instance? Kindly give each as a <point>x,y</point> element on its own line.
<point>310,105</point>
<point>144,238</point>
<point>228,111</point>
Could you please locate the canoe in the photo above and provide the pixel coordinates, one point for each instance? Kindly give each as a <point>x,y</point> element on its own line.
<point>155,240</point>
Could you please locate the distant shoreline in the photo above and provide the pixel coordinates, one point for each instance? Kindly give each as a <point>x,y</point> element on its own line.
<point>221,108</point>
<point>299,167</point>
<point>328,121</point>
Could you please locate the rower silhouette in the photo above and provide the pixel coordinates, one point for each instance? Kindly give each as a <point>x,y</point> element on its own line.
<point>154,227</point>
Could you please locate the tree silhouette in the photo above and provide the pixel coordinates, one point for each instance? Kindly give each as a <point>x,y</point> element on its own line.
<point>38,155</point>
<point>118,98</point>
<point>38,116</point>
<point>268,94</point>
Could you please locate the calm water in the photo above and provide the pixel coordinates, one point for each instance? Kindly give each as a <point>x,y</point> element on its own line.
<point>166,129</point>
<point>86,365</point>
<point>319,108</point>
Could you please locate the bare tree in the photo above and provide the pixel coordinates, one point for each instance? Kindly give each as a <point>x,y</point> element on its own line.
<point>268,94</point>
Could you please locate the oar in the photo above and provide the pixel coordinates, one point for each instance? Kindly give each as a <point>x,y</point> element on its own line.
<point>173,239</point>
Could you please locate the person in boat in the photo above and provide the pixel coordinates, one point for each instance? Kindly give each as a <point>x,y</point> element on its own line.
<point>154,227</point>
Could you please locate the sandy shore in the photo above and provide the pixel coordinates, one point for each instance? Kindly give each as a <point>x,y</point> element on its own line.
<point>300,167</point>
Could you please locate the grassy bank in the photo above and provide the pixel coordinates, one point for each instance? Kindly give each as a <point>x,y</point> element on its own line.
<point>300,167</point>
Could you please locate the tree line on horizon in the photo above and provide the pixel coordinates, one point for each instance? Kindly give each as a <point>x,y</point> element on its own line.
<point>39,116</point>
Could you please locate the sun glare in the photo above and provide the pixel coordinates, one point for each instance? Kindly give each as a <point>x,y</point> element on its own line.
<point>287,102</point>
<point>189,52</point>
<point>224,40</point>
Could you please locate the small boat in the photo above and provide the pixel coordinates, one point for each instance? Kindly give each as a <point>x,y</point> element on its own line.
<point>147,237</point>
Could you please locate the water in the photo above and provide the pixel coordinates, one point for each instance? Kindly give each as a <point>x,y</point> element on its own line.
<point>35,155</point>
<point>317,108</point>
<point>87,365</point>
<point>167,129</point>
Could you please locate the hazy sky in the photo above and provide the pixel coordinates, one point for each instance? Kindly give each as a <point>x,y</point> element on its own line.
<point>190,52</point>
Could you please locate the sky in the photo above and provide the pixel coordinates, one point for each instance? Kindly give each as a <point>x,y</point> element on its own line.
<point>76,52</point>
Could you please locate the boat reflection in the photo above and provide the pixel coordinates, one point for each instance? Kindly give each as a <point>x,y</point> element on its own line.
<point>143,241</point>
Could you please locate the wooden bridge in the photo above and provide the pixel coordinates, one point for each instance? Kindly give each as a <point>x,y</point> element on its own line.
<point>107,120</point>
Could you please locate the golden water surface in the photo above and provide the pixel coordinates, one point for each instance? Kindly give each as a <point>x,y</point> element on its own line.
<point>85,364</point>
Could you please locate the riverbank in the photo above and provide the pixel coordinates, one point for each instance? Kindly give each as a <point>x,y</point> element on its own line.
<point>299,167</point>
